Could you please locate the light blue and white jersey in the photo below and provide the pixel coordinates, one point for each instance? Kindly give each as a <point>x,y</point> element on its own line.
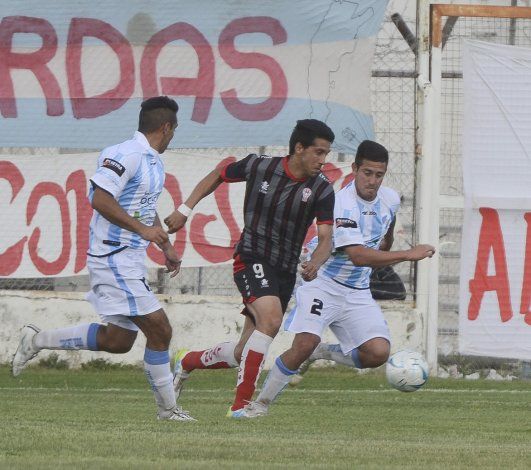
<point>133,173</point>
<point>357,222</point>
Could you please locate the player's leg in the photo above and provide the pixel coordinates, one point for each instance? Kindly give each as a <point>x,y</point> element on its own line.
<point>88,336</point>
<point>223,355</point>
<point>363,335</point>
<point>372,353</point>
<point>220,356</point>
<point>286,366</point>
<point>157,329</point>
<point>267,312</point>
<point>266,293</point>
<point>316,306</point>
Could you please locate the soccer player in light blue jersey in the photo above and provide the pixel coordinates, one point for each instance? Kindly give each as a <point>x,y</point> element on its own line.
<point>340,298</point>
<point>124,192</point>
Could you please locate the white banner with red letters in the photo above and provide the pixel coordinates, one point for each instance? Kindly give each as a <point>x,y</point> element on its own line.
<point>45,219</point>
<point>495,286</point>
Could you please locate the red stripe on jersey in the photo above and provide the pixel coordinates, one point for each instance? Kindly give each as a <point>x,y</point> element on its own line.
<point>289,173</point>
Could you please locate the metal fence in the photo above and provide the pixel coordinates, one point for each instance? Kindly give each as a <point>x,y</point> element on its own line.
<point>393,109</point>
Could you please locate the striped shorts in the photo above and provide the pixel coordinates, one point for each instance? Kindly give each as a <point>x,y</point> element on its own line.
<point>119,289</point>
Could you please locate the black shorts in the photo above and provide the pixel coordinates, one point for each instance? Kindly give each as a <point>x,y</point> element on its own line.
<point>255,278</point>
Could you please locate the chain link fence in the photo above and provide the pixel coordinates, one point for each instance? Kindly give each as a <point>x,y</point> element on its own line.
<point>393,109</point>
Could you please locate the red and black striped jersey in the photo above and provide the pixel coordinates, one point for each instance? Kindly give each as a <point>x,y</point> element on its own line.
<point>278,208</point>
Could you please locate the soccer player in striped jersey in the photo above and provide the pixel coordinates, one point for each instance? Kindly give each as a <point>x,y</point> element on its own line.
<point>339,298</point>
<point>283,196</point>
<point>124,192</point>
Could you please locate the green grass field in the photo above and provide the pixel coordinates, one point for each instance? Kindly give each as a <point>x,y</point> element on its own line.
<point>334,419</point>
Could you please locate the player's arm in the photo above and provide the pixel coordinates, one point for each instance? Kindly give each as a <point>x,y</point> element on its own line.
<point>362,256</point>
<point>177,219</point>
<point>320,254</point>
<point>105,203</point>
<point>324,212</point>
<point>173,262</point>
<point>233,172</point>
<point>389,237</point>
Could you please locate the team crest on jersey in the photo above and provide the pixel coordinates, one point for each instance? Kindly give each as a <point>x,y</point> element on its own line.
<point>346,223</point>
<point>306,193</point>
<point>264,187</point>
<point>113,165</point>
<point>264,283</point>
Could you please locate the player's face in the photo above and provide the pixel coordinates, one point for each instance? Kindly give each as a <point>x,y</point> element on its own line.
<point>314,156</point>
<point>168,132</point>
<point>368,178</point>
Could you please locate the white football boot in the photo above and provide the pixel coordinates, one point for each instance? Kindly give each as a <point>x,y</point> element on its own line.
<point>177,414</point>
<point>26,349</point>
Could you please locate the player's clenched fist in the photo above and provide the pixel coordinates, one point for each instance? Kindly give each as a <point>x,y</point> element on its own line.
<point>175,221</point>
<point>420,252</point>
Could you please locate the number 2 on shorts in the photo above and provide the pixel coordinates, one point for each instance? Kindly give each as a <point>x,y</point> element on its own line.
<point>317,307</point>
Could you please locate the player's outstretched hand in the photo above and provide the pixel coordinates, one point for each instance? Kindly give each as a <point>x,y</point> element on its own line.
<point>155,234</point>
<point>173,263</point>
<point>420,252</point>
<point>175,221</point>
<point>309,270</point>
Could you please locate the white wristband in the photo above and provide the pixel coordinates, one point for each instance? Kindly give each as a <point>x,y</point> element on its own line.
<point>184,210</point>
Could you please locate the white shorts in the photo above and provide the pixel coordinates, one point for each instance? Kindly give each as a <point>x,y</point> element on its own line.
<point>352,314</point>
<point>119,289</point>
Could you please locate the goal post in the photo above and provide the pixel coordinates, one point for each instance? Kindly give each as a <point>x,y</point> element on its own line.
<point>439,109</point>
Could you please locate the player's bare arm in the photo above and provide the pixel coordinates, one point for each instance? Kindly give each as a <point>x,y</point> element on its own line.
<point>389,237</point>
<point>108,207</point>
<point>173,262</point>
<point>176,220</point>
<point>362,256</point>
<point>321,253</point>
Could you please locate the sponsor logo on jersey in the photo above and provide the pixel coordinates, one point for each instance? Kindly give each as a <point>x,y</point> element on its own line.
<point>149,198</point>
<point>264,283</point>
<point>346,223</point>
<point>369,213</point>
<point>306,193</point>
<point>113,165</point>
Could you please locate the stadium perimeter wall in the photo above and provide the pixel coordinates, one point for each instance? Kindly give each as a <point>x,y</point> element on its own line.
<point>198,322</point>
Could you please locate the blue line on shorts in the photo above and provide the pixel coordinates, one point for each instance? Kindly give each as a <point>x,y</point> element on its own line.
<point>133,310</point>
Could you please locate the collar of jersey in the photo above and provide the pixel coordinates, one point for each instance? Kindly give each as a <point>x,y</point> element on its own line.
<point>289,173</point>
<point>141,139</point>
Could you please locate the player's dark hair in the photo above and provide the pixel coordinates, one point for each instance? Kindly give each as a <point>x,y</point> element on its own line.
<point>155,112</point>
<point>373,151</point>
<point>306,131</point>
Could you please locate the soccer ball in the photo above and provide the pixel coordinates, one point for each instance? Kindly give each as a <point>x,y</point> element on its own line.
<point>406,371</point>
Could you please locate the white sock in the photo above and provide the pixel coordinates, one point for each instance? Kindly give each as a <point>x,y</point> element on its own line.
<point>278,378</point>
<point>73,337</point>
<point>158,373</point>
<point>333,352</point>
<point>222,352</point>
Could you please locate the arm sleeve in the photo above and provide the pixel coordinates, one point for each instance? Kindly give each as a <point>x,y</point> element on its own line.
<point>324,209</point>
<point>237,171</point>
<point>113,174</point>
